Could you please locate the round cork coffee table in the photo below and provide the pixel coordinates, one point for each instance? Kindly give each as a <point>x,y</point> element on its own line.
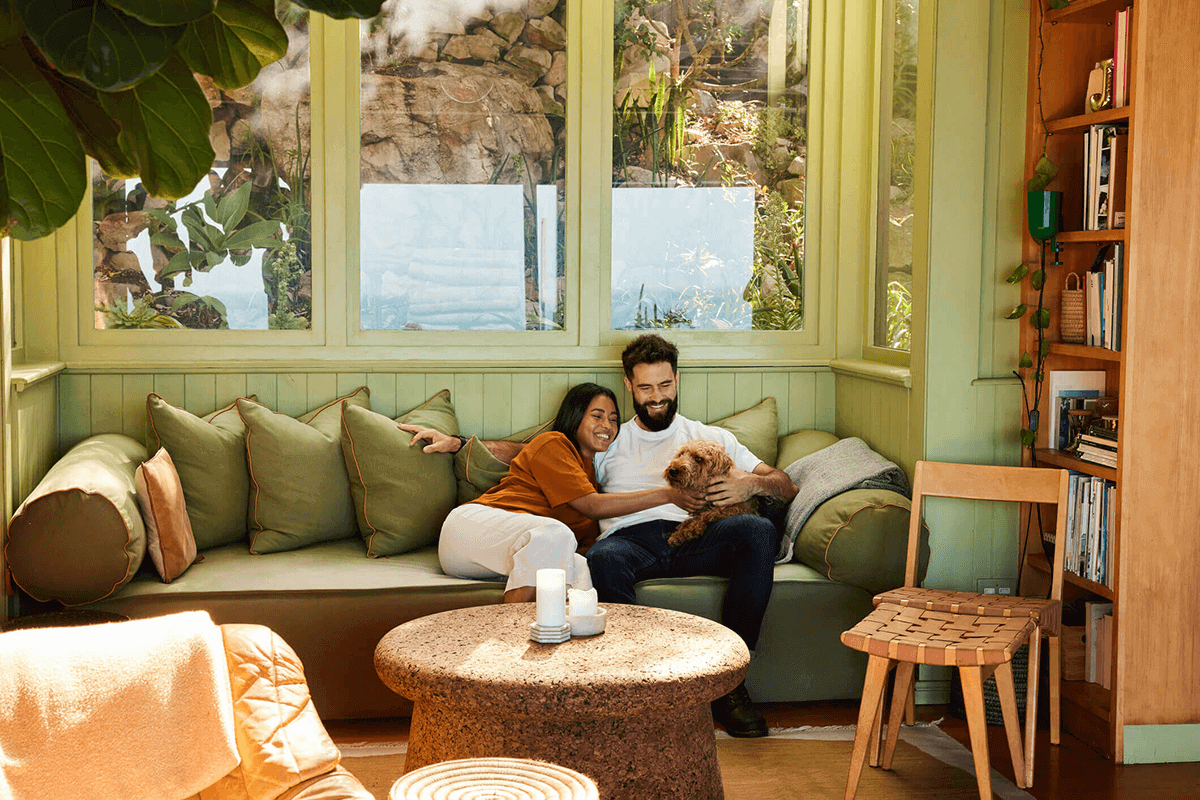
<point>628,708</point>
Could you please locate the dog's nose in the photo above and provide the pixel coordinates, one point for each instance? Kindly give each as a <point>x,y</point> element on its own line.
<point>673,472</point>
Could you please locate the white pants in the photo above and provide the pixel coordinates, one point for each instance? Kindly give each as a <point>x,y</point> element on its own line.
<point>482,542</point>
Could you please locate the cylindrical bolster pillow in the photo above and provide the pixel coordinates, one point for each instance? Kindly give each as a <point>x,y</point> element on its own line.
<point>79,536</point>
<point>860,537</point>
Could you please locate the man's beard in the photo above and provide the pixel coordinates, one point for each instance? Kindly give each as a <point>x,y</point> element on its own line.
<point>657,423</point>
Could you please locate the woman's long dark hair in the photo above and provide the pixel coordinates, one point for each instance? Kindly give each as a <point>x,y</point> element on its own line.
<point>574,407</point>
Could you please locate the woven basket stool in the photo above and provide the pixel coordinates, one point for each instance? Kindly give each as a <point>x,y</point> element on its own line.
<point>894,636</point>
<point>488,778</point>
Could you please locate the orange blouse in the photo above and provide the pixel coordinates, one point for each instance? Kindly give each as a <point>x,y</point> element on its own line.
<point>547,474</point>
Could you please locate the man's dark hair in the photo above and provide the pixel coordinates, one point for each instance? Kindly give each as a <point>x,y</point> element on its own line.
<point>575,405</point>
<point>649,348</point>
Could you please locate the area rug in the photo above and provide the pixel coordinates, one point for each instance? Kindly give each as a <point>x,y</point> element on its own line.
<point>791,763</point>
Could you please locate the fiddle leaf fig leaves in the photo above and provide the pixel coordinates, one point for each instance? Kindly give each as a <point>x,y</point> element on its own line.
<point>114,79</point>
<point>98,132</point>
<point>166,119</point>
<point>343,9</point>
<point>165,12</point>
<point>233,43</point>
<point>42,168</point>
<point>90,40</point>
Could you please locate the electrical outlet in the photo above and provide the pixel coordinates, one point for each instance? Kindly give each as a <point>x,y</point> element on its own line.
<point>992,586</point>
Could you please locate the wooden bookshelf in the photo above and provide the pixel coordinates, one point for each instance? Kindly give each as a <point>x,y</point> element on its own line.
<point>1064,460</point>
<point>1097,237</point>
<point>1083,351</point>
<point>1038,561</point>
<point>1065,44</point>
<point>1081,122</point>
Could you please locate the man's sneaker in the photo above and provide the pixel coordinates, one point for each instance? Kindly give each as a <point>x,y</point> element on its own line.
<point>735,712</point>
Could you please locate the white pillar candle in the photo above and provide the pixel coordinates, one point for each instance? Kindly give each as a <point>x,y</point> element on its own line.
<point>583,602</point>
<point>551,598</point>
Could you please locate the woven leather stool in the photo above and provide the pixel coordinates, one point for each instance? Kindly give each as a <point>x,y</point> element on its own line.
<point>486,778</point>
<point>894,636</point>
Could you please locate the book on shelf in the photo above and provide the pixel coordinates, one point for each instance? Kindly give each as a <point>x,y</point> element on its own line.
<point>1104,659</point>
<point>1121,47</point>
<point>1094,612</point>
<point>1068,390</point>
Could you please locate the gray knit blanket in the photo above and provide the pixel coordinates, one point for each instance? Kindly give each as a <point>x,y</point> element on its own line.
<point>844,465</point>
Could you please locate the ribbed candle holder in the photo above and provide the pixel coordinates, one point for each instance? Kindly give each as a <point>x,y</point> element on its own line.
<point>489,778</point>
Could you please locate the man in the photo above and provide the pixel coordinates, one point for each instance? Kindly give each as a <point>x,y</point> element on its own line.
<point>634,547</point>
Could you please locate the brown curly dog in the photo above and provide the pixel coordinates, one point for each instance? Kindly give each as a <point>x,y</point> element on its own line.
<point>695,465</point>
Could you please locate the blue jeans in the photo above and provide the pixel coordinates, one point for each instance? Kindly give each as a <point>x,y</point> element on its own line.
<point>740,548</point>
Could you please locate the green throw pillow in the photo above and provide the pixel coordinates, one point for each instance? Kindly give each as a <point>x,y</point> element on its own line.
<point>860,537</point>
<point>756,428</point>
<point>210,456</point>
<point>299,491</point>
<point>401,494</point>
<point>798,444</point>
<point>477,470</point>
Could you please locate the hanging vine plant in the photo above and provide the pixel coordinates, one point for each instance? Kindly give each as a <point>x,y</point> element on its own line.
<point>1044,208</point>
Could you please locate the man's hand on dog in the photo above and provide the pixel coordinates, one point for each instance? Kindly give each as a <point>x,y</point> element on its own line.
<point>438,442</point>
<point>736,487</point>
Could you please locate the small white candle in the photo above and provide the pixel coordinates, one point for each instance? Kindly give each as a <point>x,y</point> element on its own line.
<point>551,598</point>
<point>583,602</point>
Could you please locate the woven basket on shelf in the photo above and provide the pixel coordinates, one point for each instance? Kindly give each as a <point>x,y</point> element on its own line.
<point>1074,312</point>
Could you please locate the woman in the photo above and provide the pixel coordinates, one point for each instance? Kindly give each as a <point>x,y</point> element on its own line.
<point>548,503</point>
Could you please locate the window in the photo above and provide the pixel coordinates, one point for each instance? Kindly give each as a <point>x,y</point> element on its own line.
<point>892,314</point>
<point>535,179</point>
<point>236,253</point>
<point>462,167</point>
<point>710,112</point>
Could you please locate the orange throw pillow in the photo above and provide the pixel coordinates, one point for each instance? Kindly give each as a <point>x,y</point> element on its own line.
<point>169,540</point>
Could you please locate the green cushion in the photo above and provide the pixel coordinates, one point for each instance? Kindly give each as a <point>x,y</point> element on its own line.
<point>299,491</point>
<point>209,454</point>
<point>79,535</point>
<point>401,494</point>
<point>798,444</point>
<point>756,428</point>
<point>477,470</point>
<point>860,537</point>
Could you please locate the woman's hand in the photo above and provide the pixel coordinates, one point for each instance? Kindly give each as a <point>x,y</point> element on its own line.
<point>438,442</point>
<point>690,501</point>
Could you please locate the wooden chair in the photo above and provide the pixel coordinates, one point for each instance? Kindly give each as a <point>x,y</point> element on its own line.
<point>897,637</point>
<point>1012,484</point>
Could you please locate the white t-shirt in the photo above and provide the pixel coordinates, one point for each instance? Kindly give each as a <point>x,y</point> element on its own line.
<point>636,460</point>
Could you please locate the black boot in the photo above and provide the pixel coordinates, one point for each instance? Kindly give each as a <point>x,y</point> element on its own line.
<point>735,712</point>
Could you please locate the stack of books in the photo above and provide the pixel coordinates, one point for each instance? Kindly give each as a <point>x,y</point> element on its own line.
<point>1091,515</point>
<point>1098,446</point>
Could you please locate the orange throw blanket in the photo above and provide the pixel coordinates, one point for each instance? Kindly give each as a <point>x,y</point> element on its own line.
<point>126,710</point>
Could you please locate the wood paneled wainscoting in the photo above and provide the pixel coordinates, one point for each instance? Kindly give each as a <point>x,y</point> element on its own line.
<point>492,402</point>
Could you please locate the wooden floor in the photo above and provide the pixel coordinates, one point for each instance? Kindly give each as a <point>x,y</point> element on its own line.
<point>1070,770</point>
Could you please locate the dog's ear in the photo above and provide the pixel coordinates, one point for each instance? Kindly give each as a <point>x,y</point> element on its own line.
<point>721,461</point>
